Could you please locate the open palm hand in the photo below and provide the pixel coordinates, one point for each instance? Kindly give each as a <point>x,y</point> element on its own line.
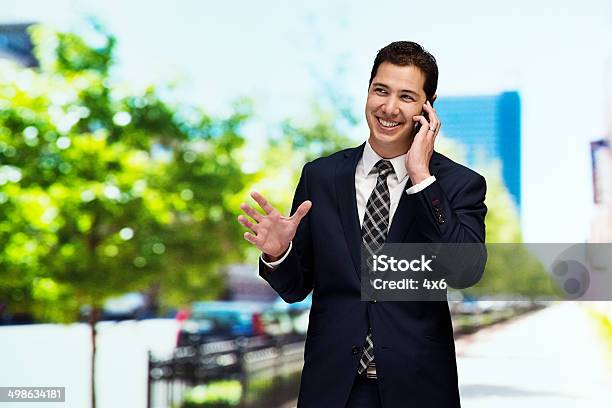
<point>271,232</point>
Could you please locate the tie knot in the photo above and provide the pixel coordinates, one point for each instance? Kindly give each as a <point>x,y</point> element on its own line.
<point>384,167</point>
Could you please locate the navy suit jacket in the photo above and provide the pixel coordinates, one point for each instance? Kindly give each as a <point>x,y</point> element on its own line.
<point>413,341</point>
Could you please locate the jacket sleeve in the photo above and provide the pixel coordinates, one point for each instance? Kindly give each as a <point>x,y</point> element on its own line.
<point>293,278</point>
<point>459,225</point>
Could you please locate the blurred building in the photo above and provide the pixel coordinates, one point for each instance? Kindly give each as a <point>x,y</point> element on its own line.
<point>601,223</point>
<point>15,44</point>
<point>489,127</point>
<point>601,156</point>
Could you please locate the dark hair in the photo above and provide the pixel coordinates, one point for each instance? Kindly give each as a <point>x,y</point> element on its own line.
<point>408,53</point>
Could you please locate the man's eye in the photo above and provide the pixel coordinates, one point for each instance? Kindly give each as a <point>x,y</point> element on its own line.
<point>407,97</point>
<point>380,90</point>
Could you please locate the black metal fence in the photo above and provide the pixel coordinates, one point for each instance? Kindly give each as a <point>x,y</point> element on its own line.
<point>266,370</point>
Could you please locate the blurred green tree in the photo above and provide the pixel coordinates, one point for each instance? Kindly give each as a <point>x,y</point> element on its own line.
<point>277,163</point>
<point>105,190</point>
<point>512,271</point>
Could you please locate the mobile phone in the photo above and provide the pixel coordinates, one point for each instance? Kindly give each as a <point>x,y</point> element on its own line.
<point>417,125</point>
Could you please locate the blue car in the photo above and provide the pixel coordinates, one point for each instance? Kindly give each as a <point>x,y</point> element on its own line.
<point>222,320</point>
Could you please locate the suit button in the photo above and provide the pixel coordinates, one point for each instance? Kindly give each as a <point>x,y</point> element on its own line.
<point>373,301</point>
<point>356,350</point>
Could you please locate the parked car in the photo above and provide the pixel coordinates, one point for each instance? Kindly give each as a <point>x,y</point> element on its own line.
<point>221,320</point>
<point>297,313</point>
<point>128,306</point>
<point>124,307</point>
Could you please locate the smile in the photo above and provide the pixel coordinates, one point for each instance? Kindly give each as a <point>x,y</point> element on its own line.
<point>388,124</point>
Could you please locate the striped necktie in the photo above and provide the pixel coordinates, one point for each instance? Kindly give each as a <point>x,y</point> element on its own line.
<point>374,233</point>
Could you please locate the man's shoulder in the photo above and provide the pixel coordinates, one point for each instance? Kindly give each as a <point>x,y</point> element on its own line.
<point>447,168</point>
<point>330,161</point>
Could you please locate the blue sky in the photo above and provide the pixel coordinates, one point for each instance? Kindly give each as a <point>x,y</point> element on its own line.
<point>557,54</point>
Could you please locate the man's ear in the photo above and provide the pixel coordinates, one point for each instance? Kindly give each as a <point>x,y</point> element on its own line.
<point>433,98</point>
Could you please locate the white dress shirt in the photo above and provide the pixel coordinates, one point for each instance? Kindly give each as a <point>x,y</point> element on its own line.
<point>365,181</point>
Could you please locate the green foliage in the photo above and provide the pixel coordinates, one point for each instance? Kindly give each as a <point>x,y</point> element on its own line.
<point>319,137</point>
<point>65,52</point>
<point>511,269</point>
<point>513,272</point>
<point>279,162</point>
<point>503,223</point>
<point>104,190</point>
<point>217,394</point>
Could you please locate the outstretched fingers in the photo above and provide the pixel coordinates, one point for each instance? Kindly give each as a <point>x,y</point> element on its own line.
<point>248,224</point>
<point>251,212</point>
<point>263,203</point>
<point>251,238</point>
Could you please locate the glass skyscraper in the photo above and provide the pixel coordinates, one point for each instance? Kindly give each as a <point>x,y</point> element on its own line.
<point>489,127</point>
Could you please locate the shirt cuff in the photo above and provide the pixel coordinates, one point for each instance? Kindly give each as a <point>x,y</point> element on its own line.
<point>274,264</point>
<point>422,185</point>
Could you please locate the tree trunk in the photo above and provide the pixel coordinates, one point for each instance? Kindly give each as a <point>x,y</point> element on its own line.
<point>93,319</point>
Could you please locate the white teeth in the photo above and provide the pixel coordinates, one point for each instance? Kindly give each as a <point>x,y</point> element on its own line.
<point>387,123</point>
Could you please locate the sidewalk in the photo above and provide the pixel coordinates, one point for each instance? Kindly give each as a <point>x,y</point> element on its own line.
<point>550,358</point>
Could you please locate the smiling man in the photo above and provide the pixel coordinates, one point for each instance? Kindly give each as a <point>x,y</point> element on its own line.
<point>394,188</point>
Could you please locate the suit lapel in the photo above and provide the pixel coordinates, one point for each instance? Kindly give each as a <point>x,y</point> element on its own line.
<point>404,214</point>
<point>347,203</point>
<point>403,217</point>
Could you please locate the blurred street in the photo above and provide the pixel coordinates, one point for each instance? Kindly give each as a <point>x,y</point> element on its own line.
<point>549,358</point>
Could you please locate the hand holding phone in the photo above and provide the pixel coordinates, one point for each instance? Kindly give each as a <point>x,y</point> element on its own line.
<point>417,125</point>
<point>422,146</point>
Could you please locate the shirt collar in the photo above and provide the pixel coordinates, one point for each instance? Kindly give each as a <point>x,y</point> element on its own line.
<point>370,158</point>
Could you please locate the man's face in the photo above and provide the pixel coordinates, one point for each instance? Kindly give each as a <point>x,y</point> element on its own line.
<point>395,95</point>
